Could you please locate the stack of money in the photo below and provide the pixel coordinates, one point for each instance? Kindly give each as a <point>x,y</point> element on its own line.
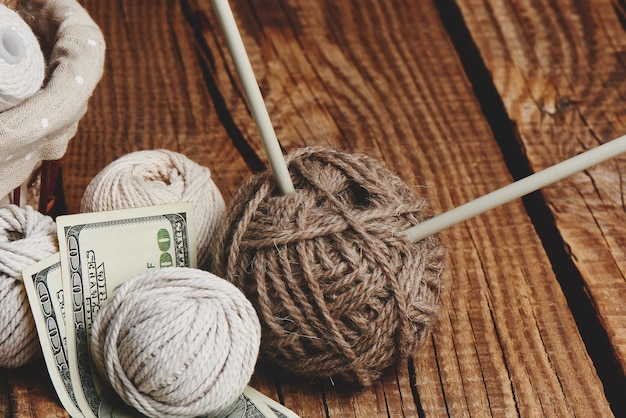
<point>97,253</point>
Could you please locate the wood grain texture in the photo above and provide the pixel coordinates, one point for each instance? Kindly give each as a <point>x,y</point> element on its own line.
<point>28,392</point>
<point>153,95</point>
<point>507,343</point>
<point>386,80</point>
<point>559,68</point>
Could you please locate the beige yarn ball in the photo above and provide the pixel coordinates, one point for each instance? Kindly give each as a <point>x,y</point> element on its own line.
<point>22,64</point>
<point>156,177</point>
<point>177,342</point>
<point>26,237</point>
<point>340,290</point>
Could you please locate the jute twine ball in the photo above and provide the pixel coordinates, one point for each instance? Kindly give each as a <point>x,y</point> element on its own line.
<point>339,290</point>
<point>26,237</point>
<point>177,342</point>
<point>155,177</point>
<point>9,3</point>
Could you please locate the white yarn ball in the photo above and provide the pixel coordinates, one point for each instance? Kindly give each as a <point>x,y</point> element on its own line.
<point>22,65</point>
<point>154,177</point>
<point>177,342</point>
<point>26,236</point>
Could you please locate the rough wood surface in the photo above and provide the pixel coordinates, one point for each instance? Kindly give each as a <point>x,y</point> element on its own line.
<point>560,71</point>
<point>28,392</point>
<point>385,80</point>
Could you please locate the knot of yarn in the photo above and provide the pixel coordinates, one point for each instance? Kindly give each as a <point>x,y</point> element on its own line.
<point>26,237</point>
<point>177,342</point>
<point>22,65</point>
<point>340,291</point>
<point>154,177</point>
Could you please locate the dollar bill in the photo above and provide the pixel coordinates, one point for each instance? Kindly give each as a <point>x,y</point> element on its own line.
<point>250,404</point>
<point>100,251</point>
<point>45,294</point>
<point>253,404</point>
<point>277,409</point>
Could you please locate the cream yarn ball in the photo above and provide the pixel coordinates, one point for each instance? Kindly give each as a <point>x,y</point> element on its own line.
<point>26,237</point>
<point>155,177</point>
<point>177,342</point>
<point>22,64</point>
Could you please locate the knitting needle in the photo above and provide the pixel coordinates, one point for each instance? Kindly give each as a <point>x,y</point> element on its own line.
<point>434,225</point>
<point>253,95</point>
<point>518,189</point>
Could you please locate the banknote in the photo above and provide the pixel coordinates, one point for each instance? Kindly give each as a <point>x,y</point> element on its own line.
<point>45,292</point>
<point>253,404</point>
<point>278,410</point>
<point>250,404</point>
<point>45,295</point>
<point>99,251</point>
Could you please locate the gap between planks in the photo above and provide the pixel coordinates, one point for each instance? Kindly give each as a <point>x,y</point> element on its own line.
<point>594,335</point>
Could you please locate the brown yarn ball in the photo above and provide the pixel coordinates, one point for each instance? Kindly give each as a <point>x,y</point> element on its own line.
<point>11,4</point>
<point>339,290</point>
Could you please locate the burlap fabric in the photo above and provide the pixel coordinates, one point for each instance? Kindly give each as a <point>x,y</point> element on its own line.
<point>40,127</point>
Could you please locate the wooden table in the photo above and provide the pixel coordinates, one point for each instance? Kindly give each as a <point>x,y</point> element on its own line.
<point>459,98</point>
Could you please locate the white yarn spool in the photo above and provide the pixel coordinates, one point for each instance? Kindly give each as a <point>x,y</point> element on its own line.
<point>177,342</point>
<point>26,236</point>
<point>22,65</point>
<point>154,177</point>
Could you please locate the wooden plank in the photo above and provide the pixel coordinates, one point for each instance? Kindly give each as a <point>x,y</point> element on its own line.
<point>26,393</point>
<point>385,80</point>
<point>559,68</point>
<point>153,95</point>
